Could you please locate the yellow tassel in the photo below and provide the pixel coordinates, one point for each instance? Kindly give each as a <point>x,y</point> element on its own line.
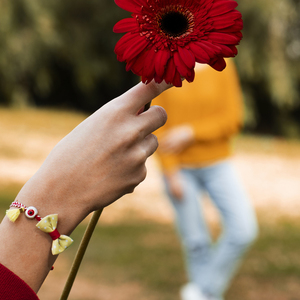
<point>13,214</point>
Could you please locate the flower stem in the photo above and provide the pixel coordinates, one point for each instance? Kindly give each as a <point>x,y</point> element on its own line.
<point>80,253</point>
<point>147,106</point>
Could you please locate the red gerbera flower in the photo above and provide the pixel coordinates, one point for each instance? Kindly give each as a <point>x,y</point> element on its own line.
<point>165,38</point>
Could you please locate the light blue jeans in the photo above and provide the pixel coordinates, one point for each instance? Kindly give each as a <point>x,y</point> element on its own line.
<point>212,266</point>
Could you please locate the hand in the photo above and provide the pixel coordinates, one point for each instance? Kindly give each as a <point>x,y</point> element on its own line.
<point>175,184</point>
<point>102,159</point>
<point>176,139</point>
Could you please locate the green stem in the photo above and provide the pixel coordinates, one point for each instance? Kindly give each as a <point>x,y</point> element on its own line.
<point>80,253</point>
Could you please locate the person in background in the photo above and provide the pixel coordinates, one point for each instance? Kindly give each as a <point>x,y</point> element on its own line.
<point>194,152</point>
<point>102,159</point>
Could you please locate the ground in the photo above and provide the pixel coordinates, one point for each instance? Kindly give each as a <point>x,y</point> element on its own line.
<point>268,167</point>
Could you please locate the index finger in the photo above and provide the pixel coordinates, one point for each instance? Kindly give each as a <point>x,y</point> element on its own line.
<point>141,94</point>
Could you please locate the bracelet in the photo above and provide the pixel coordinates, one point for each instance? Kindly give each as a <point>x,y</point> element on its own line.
<point>47,224</point>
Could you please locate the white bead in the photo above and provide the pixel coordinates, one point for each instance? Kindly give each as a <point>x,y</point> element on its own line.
<point>31,212</point>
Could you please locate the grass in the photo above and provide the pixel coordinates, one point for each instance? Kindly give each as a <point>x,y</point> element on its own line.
<point>148,253</point>
<point>272,267</point>
<point>144,252</point>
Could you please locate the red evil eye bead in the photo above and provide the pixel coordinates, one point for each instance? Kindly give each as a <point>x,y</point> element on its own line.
<point>31,212</point>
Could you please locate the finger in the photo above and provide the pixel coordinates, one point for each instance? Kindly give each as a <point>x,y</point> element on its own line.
<point>141,94</point>
<point>152,119</point>
<point>149,145</point>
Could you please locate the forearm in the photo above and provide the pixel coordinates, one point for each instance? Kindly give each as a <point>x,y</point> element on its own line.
<point>102,159</point>
<point>26,250</point>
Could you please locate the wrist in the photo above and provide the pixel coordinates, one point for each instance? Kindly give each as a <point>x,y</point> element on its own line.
<point>24,238</point>
<point>48,198</point>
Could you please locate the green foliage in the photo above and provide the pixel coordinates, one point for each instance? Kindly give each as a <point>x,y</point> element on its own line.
<point>269,64</point>
<point>60,52</point>
<point>8,194</point>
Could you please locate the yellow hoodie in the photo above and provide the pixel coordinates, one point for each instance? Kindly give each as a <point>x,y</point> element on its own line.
<point>212,105</point>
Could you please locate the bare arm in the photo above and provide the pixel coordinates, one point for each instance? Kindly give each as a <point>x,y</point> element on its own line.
<point>102,159</point>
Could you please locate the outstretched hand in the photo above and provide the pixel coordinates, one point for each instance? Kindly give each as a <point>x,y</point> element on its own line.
<point>102,159</point>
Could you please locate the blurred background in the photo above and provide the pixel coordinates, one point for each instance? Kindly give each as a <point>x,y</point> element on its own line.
<point>57,66</point>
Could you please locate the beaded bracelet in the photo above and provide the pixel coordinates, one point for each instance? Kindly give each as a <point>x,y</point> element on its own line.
<point>47,224</point>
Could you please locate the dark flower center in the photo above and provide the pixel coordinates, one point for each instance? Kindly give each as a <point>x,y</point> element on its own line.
<point>174,23</point>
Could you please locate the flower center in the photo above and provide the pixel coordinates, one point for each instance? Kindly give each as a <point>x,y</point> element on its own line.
<point>175,22</point>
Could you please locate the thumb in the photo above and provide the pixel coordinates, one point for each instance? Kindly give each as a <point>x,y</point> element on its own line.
<point>141,94</point>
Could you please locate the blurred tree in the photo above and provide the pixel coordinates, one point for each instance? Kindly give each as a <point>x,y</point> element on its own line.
<point>269,65</point>
<point>60,53</point>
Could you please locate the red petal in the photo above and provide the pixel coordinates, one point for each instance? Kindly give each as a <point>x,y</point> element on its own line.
<point>235,14</point>
<point>227,51</point>
<point>233,49</point>
<point>223,38</point>
<point>223,21</point>
<point>222,7</point>
<point>205,7</point>
<point>177,80</point>
<point>232,16</point>
<point>180,65</point>
<point>158,79</point>
<point>211,49</point>
<point>238,26</point>
<point>129,5</point>
<point>200,55</point>
<point>170,71</point>
<point>135,48</point>
<point>128,24</point>
<point>138,63</point>
<point>161,60</point>
<point>123,43</point>
<point>182,69</point>
<point>149,69</point>
<point>187,57</point>
<point>130,64</point>
<point>191,76</point>
<point>218,64</point>
<point>202,52</point>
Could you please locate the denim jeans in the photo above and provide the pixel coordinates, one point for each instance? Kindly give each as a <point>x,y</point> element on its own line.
<point>212,266</point>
